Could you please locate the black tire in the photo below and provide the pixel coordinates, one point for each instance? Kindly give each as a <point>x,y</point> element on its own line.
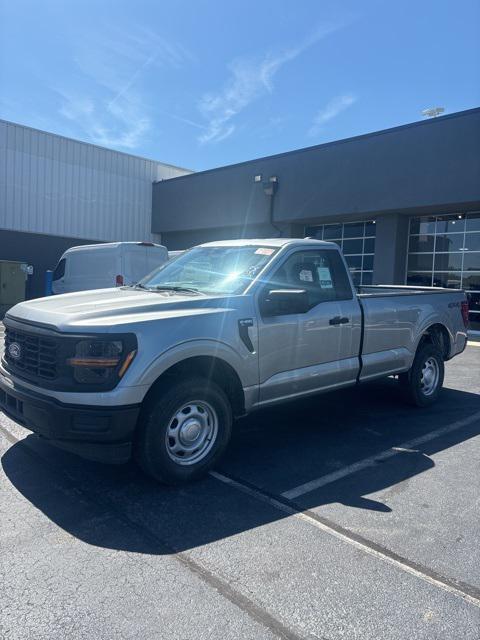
<point>153,448</point>
<point>416,391</point>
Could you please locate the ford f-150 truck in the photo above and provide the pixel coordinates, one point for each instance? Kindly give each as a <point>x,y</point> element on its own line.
<point>159,370</point>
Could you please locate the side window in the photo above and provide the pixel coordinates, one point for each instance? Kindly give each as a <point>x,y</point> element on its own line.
<point>59,271</point>
<point>321,273</point>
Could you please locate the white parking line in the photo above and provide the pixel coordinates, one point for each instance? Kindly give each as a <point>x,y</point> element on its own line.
<point>349,537</point>
<point>372,460</point>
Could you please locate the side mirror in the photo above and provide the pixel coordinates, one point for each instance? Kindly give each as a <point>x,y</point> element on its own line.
<point>282,302</point>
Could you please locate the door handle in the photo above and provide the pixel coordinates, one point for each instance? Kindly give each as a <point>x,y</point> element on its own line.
<point>339,320</point>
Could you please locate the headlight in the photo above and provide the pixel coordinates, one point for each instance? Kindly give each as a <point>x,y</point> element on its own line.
<point>98,361</point>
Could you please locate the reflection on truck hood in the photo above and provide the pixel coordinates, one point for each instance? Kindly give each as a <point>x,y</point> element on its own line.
<point>115,307</point>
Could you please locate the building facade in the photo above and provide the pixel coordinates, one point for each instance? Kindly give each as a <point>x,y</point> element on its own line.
<point>403,204</point>
<point>56,193</point>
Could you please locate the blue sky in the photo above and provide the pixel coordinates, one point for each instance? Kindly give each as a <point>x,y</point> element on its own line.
<point>203,83</point>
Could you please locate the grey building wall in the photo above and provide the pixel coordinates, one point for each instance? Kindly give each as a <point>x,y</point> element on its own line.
<point>66,188</point>
<point>427,166</point>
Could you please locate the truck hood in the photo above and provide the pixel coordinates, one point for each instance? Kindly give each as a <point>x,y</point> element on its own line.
<point>112,308</point>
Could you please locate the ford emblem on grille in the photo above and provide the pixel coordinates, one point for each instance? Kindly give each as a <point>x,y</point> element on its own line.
<point>14,350</point>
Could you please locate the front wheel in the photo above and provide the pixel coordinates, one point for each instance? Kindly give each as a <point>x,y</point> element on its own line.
<point>423,383</point>
<point>184,431</point>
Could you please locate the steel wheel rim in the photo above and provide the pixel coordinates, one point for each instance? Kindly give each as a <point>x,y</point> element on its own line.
<point>191,432</point>
<point>430,376</point>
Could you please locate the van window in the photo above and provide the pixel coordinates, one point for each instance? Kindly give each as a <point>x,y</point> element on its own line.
<point>59,270</point>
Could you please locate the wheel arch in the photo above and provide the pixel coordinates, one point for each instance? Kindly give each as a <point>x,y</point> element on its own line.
<point>438,335</point>
<point>210,367</point>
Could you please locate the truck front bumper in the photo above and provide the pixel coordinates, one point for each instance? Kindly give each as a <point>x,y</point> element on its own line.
<point>103,434</point>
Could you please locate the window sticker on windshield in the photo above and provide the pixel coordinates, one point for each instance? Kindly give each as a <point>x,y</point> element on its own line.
<point>325,277</point>
<point>306,275</point>
<point>264,251</point>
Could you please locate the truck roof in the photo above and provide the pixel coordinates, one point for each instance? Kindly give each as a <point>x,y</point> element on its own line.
<point>267,242</point>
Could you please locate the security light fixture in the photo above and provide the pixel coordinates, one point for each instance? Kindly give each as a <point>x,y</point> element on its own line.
<point>433,112</point>
<point>270,187</point>
<point>258,178</point>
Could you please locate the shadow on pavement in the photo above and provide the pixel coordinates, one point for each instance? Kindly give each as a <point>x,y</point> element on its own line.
<point>276,449</point>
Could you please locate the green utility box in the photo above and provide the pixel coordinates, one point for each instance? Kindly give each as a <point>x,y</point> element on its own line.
<point>13,276</point>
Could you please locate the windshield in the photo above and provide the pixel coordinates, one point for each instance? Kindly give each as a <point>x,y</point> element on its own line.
<point>222,270</point>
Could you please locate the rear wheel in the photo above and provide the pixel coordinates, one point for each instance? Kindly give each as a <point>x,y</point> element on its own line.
<point>184,431</point>
<point>423,383</point>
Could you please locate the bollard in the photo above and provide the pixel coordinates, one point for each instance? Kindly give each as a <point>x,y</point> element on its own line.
<point>48,282</point>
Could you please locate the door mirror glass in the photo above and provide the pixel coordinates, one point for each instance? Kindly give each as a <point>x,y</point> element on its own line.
<point>281,302</point>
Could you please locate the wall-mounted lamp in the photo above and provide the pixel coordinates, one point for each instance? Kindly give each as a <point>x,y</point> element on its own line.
<point>270,187</point>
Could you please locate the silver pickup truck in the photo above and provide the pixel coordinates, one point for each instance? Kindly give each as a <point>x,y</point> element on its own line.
<point>159,370</point>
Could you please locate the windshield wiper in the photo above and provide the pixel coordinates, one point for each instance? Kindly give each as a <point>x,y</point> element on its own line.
<point>177,288</point>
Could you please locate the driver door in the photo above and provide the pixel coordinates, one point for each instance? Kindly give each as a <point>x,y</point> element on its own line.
<point>306,352</point>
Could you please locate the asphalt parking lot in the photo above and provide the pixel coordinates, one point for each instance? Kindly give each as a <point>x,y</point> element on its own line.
<point>350,515</point>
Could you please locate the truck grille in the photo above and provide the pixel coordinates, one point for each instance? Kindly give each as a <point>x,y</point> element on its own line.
<point>31,355</point>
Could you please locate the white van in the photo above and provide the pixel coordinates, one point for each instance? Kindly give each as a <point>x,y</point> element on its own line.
<point>112,264</point>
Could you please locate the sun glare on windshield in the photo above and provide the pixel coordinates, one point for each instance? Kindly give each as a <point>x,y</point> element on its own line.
<point>223,270</point>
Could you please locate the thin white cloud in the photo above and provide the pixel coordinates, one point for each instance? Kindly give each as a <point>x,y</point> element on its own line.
<point>110,110</point>
<point>330,111</point>
<point>117,124</point>
<point>191,123</point>
<point>249,79</point>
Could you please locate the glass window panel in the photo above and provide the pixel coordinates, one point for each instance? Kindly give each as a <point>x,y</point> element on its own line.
<point>449,242</point>
<point>352,246</point>
<point>354,262</point>
<point>422,225</point>
<point>471,281</point>
<point>474,321</point>
<point>473,221</point>
<point>471,261</point>
<point>332,231</point>
<point>448,280</point>
<point>450,223</point>
<point>421,243</point>
<point>356,277</point>
<point>474,301</point>
<point>420,262</point>
<point>419,279</point>
<point>472,242</point>
<point>449,261</point>
<point>314,232</point>
<point>353,230</point>
<point>370,228</point>
<point>368,263</point>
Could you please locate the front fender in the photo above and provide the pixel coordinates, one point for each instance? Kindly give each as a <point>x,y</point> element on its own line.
<point>244,365</point>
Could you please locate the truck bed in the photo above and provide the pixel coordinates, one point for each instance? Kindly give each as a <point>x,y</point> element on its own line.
<point>381,290</point>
